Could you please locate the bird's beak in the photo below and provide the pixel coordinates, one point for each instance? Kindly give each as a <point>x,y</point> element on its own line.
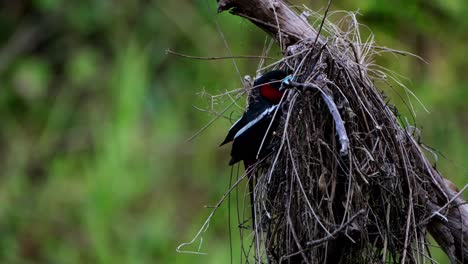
<point>286,82</point>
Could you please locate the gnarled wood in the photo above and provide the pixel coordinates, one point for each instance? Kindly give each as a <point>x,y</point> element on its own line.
<point>274,17</point>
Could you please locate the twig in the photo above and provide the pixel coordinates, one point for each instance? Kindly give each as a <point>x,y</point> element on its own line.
<point>437,213</point>
<point>322,240</point>
<point>205,225</point>
<point>322,22</point>
<point>168,51</point>
<point>334,233</point>
<point>339,124</point>
<point>215,118</point>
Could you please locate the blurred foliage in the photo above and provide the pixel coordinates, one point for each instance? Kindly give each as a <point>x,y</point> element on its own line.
<point>95,163</point>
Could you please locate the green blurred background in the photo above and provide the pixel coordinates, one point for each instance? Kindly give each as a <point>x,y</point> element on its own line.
<point>95,166</point>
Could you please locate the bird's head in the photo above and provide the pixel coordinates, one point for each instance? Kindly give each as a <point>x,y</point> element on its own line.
<point>269,85</point>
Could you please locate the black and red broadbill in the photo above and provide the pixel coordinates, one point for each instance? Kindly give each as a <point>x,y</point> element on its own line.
<point>256,126</point>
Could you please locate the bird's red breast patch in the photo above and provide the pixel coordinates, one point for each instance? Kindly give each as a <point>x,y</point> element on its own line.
<point>270,93</point>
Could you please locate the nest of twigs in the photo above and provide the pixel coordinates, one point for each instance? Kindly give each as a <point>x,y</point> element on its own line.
<point>314,205</point>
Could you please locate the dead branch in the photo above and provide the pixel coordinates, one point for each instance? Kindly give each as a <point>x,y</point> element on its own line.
<point>275,17</point>
<point>339,125</point>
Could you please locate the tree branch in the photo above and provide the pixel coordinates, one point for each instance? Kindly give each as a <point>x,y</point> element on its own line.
<point>274,17</point>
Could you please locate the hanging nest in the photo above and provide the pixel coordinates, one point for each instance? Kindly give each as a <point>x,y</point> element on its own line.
<point>315,205</point>
<point>353,189</point>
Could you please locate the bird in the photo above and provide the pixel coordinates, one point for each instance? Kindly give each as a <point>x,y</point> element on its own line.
<point>254,129</point>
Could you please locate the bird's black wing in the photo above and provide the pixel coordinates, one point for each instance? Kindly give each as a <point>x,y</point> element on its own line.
<point>255,120</point>
<point>238,125</point>
<point>249,118</point>
<point>249,138</point>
